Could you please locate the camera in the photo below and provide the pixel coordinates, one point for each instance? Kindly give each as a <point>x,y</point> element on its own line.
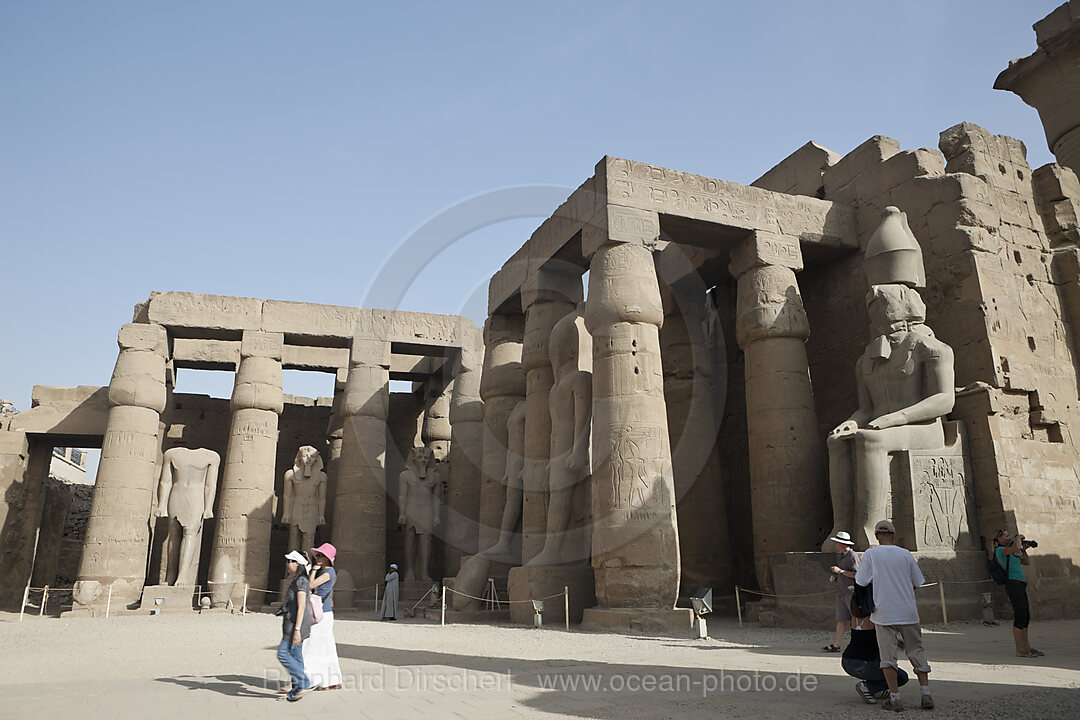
<point>1029,544</point>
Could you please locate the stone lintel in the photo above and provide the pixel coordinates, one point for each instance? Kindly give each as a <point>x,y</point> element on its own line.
<point>620,224</point>
<point>670,192</point>
<point>416,368</point>
<point>196,354</point>
<point>765,248</point>
<point>552,284</point>
<point>368,351</point>
<point>211,312</point>
<point>262,344</point>
<point>322,359</point>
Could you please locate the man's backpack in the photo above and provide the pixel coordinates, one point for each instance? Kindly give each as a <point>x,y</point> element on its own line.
<point>998,573</point>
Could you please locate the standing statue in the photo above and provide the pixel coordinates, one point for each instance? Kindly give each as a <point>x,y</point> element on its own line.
<point>570,401</point>
<point>186,493</point>
<point>904,380</point>
<point>304,502</point>
<point>418,488</point>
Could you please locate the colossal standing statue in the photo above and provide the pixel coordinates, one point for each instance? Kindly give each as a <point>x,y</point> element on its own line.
<point>904,380</point>
<point>185,495</point>
<point>418,488</point>
<point>570,402</point>
<point>304,502</point>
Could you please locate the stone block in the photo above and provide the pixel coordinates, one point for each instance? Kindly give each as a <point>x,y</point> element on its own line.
<point>308,319</point>
<point>205,312</point>
<point>262,345</point>
<point>303,357</point>
<point>533,583</point>
<point>1055,182</point>
<point>898,169</point>
<point>866,156</point>
<point>137,336</point>
<point>206,354</point>
<point>765,248</point>
<point>170,598</point>
<point>800,173</point>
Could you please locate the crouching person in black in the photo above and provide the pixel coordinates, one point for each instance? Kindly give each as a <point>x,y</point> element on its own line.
<point>862,660</point>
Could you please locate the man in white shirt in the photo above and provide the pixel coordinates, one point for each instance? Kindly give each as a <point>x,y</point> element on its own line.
<point>895,575</point>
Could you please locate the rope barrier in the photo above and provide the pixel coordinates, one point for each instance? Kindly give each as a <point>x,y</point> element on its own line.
<point>503,602</point>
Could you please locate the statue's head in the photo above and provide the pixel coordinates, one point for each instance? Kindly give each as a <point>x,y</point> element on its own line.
<point>308,460</point>
<point>420,459</point>
<point>567,336</point>
<point>892,306</point>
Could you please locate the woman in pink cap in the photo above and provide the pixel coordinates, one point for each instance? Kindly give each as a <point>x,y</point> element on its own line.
<point>320,650</point>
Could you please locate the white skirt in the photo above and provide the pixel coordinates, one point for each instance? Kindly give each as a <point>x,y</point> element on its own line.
<point>320,654</point>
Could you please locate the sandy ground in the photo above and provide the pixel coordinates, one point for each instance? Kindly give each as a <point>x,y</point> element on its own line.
<point>224,666</point>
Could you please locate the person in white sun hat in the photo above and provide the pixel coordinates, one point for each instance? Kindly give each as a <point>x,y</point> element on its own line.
<point>843,574</point>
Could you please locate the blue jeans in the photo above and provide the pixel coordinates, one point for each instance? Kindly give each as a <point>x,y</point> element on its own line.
<point>292,657</point>
<point>871,673</point>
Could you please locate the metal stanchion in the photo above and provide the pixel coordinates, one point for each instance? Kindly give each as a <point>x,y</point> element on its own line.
<point>44,599</point>
<point>738,605</point>
<point>566,604</point>
<point>243,609</point>
<point>108,604</point>
<point>25,597</point>
<point>442,610</point>
<point>376,597</point>
<point>944,612</point>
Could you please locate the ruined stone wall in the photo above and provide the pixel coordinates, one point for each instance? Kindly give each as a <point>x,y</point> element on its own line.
<point>994,296</point>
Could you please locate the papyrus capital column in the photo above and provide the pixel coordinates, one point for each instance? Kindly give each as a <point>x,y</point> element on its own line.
<point>466,450</point>
<point>788,491</point>
<point>502,386</point>
<point>359,530</point>
<point>117,532</point>
<point>246,504</point>
<point>635,542</point>
<point>546,296</point>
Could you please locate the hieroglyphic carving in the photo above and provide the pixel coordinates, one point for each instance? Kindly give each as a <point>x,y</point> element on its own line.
<point>941,499</point>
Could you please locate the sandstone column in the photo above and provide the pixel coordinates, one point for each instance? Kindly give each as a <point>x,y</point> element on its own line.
<point>359,530</point>
<point>466,449</point>
<point>547,296</point>
<point>788,490</point>
<point>635,542</point>
<point>502,386</point>
<point>118,530</point>
<point>435,432</point>
<point>334,432</point>
<point>245,508</point>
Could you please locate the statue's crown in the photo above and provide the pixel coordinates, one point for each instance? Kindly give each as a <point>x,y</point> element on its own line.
<point>893,255</point>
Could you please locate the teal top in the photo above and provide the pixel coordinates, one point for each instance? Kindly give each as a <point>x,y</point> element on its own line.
<point>1016,572</point>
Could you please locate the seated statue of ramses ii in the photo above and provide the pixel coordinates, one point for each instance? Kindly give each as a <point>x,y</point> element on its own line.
<point>904,380</point>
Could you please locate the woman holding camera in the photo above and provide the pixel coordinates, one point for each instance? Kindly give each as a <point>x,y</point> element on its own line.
<point>1011,553</point>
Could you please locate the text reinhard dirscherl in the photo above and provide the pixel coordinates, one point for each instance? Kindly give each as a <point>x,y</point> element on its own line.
<point>703,682</point>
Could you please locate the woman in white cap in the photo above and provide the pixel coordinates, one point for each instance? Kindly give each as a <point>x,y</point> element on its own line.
<point>390,596</point>
<point>295,625</point>
<point>320,650</point>
<point>843,574</point>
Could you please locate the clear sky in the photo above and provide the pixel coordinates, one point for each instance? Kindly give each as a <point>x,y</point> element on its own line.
<point>286,149</point>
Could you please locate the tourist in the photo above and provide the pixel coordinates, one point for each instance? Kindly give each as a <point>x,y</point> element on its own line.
<point>843,574</point>
<point>1011,553</point>
<point>895,575</point>
<point>320,650</point>
<point>295,625</point>
<point>862,660</point>
<point>390,595</point>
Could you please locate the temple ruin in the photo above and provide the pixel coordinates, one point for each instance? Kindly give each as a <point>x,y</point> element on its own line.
<point>645,411</point>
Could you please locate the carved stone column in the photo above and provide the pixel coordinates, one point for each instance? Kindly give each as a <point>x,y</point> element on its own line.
<point>359,531</point>
<point>466,450</point>
<point>245,507</point>
<point>546,296</point>
<point>117,532</point>
<point>502,386</point>
<point>335,429</point>
<point>788,489</point>
<point>635,542</point>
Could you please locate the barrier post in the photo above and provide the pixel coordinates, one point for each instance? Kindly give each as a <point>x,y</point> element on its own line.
<point>442,609</point>
<point>566,604</point>
<point>243,609</point>
<point>377,598</point>
<point>108,604</point>
<point>25,597</point>
<point>44,599</point>
<point>944,612</point>
<point>738,605</point>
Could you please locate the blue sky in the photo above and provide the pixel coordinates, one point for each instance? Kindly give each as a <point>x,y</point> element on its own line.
<point>285,149</point>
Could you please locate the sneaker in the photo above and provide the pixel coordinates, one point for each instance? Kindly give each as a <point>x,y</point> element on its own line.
<point>894,705</point>
<point>864,693</point>
<point>927,702</point>
<point>882,695</point>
